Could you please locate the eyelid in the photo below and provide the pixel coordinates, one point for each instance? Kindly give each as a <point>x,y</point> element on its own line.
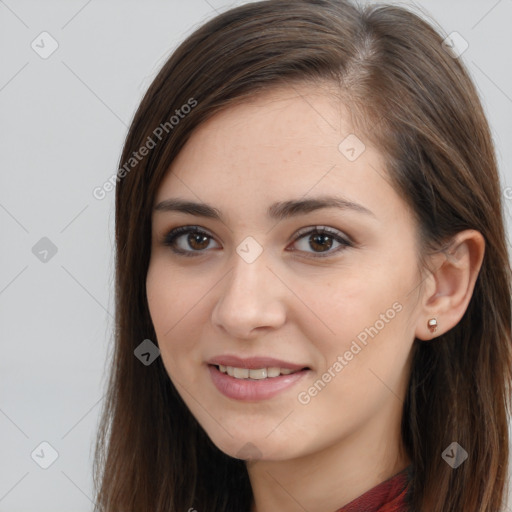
<point>340,237</point>
<point>170,236</point>
<point>322,229</point>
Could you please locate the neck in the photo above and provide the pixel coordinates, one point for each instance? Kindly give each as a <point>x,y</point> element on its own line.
<point>332,477</point>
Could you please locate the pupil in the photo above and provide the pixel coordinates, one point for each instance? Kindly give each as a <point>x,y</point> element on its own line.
<point>197,238</point>
<point>322,239</point>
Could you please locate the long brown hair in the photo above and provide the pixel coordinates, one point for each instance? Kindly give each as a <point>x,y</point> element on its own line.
<point>417,104</point>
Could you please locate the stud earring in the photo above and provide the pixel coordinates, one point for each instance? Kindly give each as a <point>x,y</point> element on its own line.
<point>432,325</point>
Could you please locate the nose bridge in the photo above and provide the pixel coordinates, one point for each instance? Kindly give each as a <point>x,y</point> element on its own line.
<point>248,277</point>
<point>249,298</point>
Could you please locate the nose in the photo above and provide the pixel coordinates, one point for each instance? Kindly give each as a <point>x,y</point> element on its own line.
<point>251,300</point>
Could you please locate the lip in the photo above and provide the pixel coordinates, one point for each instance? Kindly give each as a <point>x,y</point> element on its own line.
<point>253,363</point>
<point>248,390</point>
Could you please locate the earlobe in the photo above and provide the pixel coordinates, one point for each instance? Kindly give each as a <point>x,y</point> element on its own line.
<point>451,284</point>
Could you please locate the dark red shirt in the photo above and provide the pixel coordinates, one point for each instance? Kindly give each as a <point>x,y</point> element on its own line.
<point>388,496</point>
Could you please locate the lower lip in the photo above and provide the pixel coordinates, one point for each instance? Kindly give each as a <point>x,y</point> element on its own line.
<point>253,390</point>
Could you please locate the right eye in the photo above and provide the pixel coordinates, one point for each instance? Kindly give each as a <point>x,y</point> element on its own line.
<point>196,241</point>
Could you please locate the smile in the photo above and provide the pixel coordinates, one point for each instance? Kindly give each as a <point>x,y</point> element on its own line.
<point>254,374</point>
<point>254,384</point>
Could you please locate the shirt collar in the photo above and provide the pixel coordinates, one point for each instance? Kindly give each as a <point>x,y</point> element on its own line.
<point>388,496</point>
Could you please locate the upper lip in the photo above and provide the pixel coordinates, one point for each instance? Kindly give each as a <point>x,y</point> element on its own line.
<point>253,362</point>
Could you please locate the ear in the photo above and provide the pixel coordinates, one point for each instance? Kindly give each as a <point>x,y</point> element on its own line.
<point>449,288</point>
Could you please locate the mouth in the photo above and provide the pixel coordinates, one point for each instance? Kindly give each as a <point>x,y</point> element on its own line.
<point>255,379</point>
<point>270,372</point>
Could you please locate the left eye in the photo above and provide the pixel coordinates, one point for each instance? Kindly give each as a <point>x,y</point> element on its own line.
<point>321,238</point>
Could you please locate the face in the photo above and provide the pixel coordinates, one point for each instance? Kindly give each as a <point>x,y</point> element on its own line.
<point>310,307</point>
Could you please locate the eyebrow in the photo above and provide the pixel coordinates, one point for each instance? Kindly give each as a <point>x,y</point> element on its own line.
<point>278,211</point>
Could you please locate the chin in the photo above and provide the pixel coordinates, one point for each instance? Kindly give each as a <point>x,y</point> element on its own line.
<point>252,448</point>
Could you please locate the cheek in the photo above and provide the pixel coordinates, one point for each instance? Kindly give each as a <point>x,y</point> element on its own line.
<point>349,300</point>
<point>363,335</point>
<point>365,370</point>
<point>174,305</point>
<point>171,296</point>
<point>351,309</point>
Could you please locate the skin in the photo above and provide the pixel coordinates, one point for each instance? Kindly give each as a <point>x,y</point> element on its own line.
<point>296,305</point>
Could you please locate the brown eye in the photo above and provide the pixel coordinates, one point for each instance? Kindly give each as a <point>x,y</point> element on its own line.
<point>187,240</point>
<point>197,241</point>
<point>321,240</point>
<point>193,241</point>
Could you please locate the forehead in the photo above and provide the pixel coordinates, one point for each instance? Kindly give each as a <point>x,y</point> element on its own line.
<point>286,143</point>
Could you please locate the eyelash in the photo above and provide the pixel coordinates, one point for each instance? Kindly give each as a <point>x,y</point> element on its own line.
<point>170,240</point>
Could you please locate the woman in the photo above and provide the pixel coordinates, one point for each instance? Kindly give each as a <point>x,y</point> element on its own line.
<point>309,227</point>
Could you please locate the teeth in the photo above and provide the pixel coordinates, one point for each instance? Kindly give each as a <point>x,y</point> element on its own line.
<point>258,374</point>
<point>273,372</point>
<point>255,374</point>
<point>241,373</point>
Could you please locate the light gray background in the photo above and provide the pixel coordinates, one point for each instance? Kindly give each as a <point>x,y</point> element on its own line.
<point>63,122</point>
